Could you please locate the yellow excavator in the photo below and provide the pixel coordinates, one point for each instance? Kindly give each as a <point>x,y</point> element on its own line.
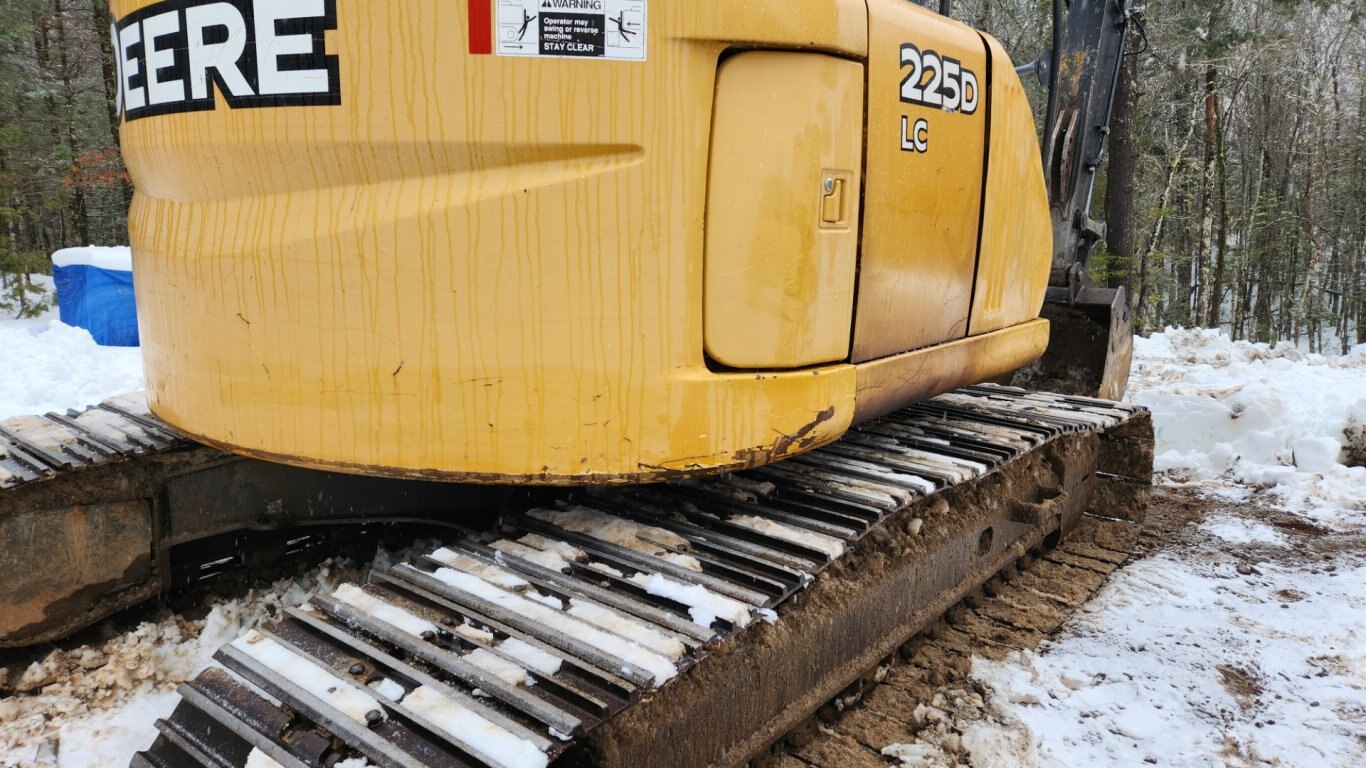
<point>675,315</point>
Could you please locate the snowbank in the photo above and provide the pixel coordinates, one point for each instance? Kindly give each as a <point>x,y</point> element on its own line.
<point>1269,419</point>
<point>50,366</point>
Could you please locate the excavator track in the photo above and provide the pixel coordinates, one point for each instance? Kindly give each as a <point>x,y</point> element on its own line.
<point>78,493</point>
<point>104,508</point>
<point>919,696</point>
<point>35,448</point>
<point>695,623</point>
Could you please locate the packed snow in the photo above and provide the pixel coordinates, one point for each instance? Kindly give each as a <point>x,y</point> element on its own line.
<point>658,666</point>
<point>258,759</point>
<point>400,619</point>
<point>499,667</point>
<point>831,546</point>
<point>1183,661</point>
<point>704,605</point>
<point>544,558</point>
<point>1242,643</point>
<point>646,539</point>
<point>117,258</point>
<point>629,628</point>
<point>530,655</point>
<point>317,681</point>
<point>463,724</point>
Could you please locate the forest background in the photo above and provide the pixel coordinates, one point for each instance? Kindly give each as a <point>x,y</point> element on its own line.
<point>1234,188</point>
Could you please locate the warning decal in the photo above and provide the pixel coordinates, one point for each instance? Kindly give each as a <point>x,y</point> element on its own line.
<point>592,29</point>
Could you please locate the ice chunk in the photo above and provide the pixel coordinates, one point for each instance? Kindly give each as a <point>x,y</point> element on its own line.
<point>491,740</point>
<point>316,680</point>
<point>388,613</point>
<point>704,605</point>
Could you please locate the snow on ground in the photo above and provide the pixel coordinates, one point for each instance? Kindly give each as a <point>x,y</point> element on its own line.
<point>1242,641</point>
<point>49,366</point>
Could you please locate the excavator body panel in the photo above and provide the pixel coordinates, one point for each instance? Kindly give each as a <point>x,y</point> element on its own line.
<point>585,243</point>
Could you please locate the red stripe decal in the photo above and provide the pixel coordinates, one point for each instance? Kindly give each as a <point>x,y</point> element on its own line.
<point>481,26</point>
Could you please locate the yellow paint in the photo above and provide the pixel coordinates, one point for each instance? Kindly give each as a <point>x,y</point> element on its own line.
<point>921,208</point>
<point>781,250</point>
<point>1017,237</point>
<point>478,267</point>
<point>889,383</point>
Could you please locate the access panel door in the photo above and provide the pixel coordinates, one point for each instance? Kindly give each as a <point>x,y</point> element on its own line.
<point>927,116</point>
<point>783,210</point>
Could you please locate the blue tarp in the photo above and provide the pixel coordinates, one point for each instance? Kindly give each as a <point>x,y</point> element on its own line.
<point>100,301</point>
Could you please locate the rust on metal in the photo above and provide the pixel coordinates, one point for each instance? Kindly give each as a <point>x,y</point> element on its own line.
<point>784,446</point>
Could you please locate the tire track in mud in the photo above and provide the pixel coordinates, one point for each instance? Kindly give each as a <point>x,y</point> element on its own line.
<point>921,695</point>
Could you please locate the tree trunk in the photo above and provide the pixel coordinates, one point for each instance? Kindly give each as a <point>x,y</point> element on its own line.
<point>1214,314</point>
<point>104,21</point>
<point>1202,276</point>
